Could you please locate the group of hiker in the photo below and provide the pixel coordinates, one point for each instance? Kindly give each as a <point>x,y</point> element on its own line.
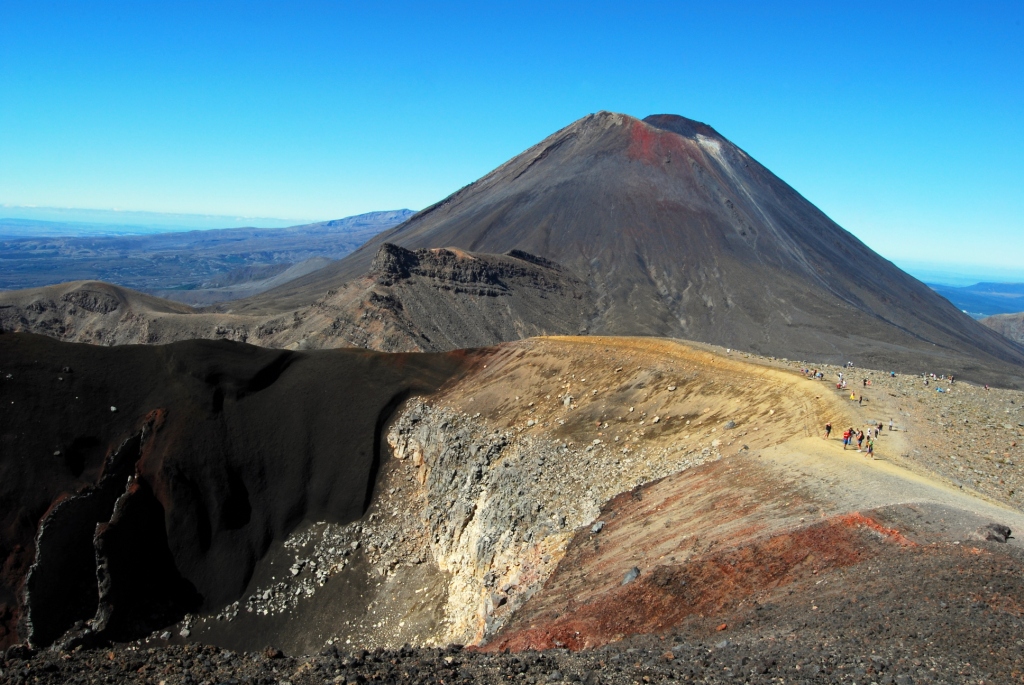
<point>861,436</point>
<point>817,375</point>
<point>951,379</point>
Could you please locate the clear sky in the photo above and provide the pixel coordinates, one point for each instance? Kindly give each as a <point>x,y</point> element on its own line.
<point>903,121</point>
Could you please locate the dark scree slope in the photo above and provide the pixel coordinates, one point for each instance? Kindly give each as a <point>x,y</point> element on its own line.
<point>191,458</point>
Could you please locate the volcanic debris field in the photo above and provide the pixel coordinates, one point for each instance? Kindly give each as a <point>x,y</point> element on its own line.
<point>602,510</point>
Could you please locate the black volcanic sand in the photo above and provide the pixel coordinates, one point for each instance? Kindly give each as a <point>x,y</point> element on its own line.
<point>191,458</point>
<point>941,614</point>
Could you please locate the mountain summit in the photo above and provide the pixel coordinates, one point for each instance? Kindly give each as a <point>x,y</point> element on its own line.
<point>680,233</point>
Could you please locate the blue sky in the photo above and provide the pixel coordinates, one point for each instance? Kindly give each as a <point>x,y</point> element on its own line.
<point>904,124</point>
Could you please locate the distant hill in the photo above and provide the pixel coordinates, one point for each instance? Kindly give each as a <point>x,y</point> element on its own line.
<point>1009,325</point>
<point>196,267</point>
<point>408,301</point>
<point>985,299</point>
<point>28,222</point>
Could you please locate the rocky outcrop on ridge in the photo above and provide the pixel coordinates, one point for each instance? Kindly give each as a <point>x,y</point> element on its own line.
<point>409,301</point>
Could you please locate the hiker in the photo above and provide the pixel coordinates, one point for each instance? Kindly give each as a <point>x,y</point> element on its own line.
<point>860,440</point>
<point>846,439</point>
<point>853,396</point>
<point>890,425</point>
<point>865,382</point>
<point>861,400</point>
<point>871,449</point>
<point>828,429</point>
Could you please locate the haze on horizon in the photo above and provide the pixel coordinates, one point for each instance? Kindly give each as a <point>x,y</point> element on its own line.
<point>901,124</point>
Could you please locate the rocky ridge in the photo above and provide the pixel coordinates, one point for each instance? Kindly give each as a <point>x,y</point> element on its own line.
<point>409,301</point>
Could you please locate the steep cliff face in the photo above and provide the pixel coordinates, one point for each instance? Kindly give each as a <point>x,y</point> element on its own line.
<point>499,508</point>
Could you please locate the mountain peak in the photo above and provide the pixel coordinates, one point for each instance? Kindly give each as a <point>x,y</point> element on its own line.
<point>680,233</point>
<point>688,128</point>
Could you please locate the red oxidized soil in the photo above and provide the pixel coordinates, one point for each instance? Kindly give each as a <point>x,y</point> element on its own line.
<point>654,146</point>
<point>857,519</point>
<point>642,142</point>
<point>708,586</point>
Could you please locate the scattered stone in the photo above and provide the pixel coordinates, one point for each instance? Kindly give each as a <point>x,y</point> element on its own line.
<point>597,527</point>
<point>729,425</point>
<point>19,651</point>
<point>995,532</point>
<point>631,575</point>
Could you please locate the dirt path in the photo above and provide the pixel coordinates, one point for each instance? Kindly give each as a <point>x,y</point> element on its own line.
<point>851,482</point>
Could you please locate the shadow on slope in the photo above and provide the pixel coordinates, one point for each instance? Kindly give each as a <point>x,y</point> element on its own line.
<point>200,453</point>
